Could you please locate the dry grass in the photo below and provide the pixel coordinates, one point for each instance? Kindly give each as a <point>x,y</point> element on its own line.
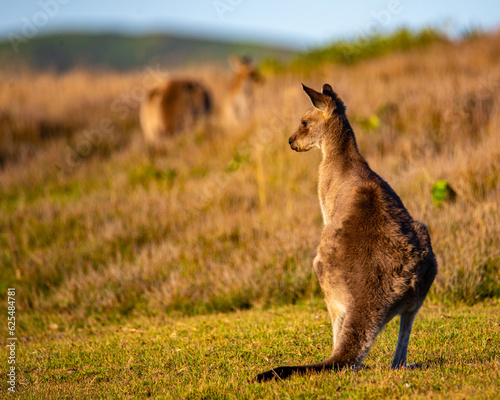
<point>228,217</point>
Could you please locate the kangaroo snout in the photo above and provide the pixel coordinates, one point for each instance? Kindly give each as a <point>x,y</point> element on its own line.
<point>293,142</point>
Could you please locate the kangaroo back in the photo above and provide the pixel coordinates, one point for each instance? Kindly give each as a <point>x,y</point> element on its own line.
<point>174,107</point>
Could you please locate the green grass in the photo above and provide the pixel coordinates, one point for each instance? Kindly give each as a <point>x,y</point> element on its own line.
<point>357,49</point>
<point>215,356</point>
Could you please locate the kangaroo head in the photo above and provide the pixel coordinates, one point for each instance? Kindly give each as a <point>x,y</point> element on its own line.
<point>244,69</point>
<point>322,118</point>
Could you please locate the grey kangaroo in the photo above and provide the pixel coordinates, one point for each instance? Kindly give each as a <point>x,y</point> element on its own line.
<point>373,261</point>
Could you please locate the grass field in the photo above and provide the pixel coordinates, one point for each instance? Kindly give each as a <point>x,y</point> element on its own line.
<point>139,273</point>
<point>215,357</point>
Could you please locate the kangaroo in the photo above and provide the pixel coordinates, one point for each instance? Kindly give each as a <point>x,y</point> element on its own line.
<point>373,261</point>
<point>239,100</point>
<point>174,107</point>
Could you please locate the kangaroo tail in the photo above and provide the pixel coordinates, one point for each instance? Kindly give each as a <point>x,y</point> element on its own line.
<point>285,372</point>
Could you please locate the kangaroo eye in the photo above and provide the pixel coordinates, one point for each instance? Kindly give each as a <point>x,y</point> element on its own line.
<point>305,123</point>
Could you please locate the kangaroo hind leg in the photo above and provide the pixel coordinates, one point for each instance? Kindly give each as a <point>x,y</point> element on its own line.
<point>405,325</point>
<point>337,315</point>
<point>353,343</point>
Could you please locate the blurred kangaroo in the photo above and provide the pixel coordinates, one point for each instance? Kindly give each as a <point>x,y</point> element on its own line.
<point>239,102</point>
<point>373,261</point>
<point>173,107</point>
<point>180,103</point>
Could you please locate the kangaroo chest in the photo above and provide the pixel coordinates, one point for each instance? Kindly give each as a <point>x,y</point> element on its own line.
<point>335,186</point>
<point>328,186</point>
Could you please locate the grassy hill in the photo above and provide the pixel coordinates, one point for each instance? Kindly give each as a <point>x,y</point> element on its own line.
<point>62,52</point>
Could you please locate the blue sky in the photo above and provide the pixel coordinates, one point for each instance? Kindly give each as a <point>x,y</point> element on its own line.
<point>293,23</point>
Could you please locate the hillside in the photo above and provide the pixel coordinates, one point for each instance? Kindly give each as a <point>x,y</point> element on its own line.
<point>62,52</point>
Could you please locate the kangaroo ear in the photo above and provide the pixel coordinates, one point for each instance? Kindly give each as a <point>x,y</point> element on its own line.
<point>321,101</point>
<point>237,62</point>
<point>337,101</point>
<point>327,89</point>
